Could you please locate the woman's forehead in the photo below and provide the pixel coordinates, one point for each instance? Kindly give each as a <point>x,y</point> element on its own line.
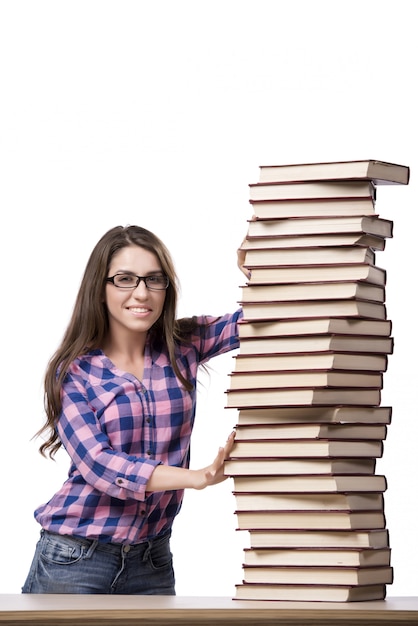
<point>134,258</point>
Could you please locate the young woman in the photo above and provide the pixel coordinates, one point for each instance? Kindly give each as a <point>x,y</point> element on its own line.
<point>120,396</point>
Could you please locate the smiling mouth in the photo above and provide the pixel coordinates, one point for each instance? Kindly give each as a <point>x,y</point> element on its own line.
<point>137,309</point>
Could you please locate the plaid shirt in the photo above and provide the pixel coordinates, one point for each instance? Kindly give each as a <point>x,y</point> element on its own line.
<point>117,429</point>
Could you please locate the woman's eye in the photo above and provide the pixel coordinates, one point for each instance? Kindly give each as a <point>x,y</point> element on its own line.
<point>126,279</point>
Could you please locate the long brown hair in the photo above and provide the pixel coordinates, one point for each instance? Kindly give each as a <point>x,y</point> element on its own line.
<point>89,325</point>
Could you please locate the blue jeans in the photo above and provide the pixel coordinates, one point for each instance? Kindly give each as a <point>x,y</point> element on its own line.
<point>64,564</point>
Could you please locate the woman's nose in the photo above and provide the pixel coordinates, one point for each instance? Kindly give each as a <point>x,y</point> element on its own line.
<point>141,290</point>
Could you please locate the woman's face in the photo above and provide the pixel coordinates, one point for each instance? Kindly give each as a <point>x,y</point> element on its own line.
<point>133,310</point>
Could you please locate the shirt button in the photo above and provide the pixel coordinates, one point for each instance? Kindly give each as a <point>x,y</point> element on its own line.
<point>119,481</point>
<point>143,512</point>
<point>149,452</point>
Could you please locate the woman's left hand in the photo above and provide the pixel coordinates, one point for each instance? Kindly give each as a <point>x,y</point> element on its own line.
<point>241,258</point>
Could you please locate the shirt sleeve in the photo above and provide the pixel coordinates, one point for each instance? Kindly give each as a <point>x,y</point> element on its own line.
<point>109,471</point>
<point>218,335</point>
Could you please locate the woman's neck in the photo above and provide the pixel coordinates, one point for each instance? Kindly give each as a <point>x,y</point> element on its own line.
<point>127,354</point>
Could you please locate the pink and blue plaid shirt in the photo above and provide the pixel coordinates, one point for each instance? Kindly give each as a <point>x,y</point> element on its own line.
<point>117,429</point>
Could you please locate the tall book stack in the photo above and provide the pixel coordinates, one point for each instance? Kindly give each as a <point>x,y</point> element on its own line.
<point>307,381</point>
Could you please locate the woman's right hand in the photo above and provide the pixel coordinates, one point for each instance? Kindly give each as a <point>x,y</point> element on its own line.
<point>214,473</point>
<point>166,478</point>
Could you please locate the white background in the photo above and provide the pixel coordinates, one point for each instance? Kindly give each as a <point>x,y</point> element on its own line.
<point>159,113</point>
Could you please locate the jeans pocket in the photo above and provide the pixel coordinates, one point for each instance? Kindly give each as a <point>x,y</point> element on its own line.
<point>62,550</point>
<point>160,555</point>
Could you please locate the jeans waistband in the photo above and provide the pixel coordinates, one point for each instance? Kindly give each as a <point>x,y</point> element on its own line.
<point>110,546</point>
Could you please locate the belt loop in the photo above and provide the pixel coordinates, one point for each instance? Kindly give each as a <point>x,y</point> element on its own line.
<point>91,549</point>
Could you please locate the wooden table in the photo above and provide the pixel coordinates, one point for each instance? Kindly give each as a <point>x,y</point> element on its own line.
<point>104,610</point>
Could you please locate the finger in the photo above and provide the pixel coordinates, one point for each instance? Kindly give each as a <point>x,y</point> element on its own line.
<point>229,444</point>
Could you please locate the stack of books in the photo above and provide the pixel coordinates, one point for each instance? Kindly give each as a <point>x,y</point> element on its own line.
<point>307,381</point>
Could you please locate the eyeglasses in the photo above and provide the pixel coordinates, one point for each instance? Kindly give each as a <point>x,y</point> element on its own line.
<point>154,282</point>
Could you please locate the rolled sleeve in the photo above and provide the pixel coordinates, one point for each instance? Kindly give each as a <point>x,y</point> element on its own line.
<point>112,472</point>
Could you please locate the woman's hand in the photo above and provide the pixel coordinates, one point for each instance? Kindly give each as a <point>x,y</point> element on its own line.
<point>214,473</point>
<point>167,478</point>
<point>241,257</point>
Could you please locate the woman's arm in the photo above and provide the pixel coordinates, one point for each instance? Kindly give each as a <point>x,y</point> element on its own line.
<point>166,478</point>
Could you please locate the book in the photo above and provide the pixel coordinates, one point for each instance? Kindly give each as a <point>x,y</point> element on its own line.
<point>314,254</point>
<point>317,273</point>
<point>276,209</point>
<point>309,593</point>
<point>298,309</point>
<point>306,448</point>
<point>298,468</point>
<point>310,431</point>
<point>313,483</point>
<point>310,520</point>
<point>372,225</point>
<point>338,539</point>
<point>328,557</point>
<point>324,240</point>
<point>304,344</point>
<point>321,575</point>
<point>305,378</point>
<point>317,189</point>
<point>309,501</point>
<point>250,398</point>
<point>320,414</point>
<point>313,361</point>
<point>380,172</point>
<point>325,326</point>
<point>313,291</point>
